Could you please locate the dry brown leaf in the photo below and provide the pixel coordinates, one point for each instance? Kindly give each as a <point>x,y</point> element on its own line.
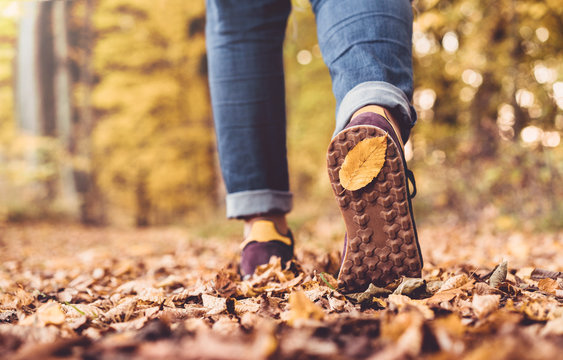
<point>363,163</point>
<point>537,310</point>
<point>336,304</point>
<point>406,330</point>
<point>78,310</point>
<point>448,342</point>
<point>443,296</point>
<point>129,325</point>
<point>285,286</point>
<point>542,274</point>
<point>216,305</point>
<point>246,305</point>
<point>301,308</point>
<point>23,298</point>
<point>482,288</point>
<point>433,286</point>
<point>410,286</point>
<point>225,283</point>
<point>48,314</point>
<point>401,302</point>
<point>548,285</point>
<point>189,311</point>
<point>483,305</point>
<point>454,282</point>
<point>499,274</point>
<point>367,296</point>
<point>170,281</point>
<point>122,312</point>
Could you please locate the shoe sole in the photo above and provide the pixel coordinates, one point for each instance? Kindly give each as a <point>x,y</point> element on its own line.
<point>382,241</point>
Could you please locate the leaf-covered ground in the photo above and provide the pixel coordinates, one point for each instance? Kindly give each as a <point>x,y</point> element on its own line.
<point>68,292</point>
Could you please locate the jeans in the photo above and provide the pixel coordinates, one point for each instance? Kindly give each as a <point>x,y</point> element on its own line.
<point>366,45</point>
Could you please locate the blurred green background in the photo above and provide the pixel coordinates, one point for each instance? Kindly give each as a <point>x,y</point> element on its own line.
<point>105,116</point>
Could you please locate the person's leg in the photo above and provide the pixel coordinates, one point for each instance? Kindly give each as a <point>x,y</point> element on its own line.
<point>367,47</point>
<point>244,49</point>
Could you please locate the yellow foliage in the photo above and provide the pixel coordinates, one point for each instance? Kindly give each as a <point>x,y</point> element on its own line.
<point>154,137</point>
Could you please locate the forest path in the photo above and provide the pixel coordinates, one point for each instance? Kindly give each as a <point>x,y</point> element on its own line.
<point>73,292</point>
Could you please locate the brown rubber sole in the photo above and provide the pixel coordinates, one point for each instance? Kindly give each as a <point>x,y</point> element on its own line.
<point>382,242</point>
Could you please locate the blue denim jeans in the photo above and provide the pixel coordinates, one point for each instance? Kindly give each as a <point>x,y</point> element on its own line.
<point>366,45</point>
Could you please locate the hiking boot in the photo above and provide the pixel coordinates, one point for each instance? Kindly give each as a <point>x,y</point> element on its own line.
<point>263,242</point>
<point>381,243</point>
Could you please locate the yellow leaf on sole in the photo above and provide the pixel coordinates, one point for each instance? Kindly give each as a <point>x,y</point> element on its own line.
<point>363,163</point>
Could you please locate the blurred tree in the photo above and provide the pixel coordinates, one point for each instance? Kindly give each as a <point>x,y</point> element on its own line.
<point>8,38</point>
<point>487,76</point>
<point>476,56</point>
<point>43,96</point>
<point>153,143</point>
<point>81,41</point>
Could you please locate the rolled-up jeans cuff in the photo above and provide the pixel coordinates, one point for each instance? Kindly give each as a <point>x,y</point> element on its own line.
<point>252,202</point>
<point>375,93</point>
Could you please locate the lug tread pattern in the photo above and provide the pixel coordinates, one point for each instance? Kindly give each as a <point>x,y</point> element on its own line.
<point>385,197</point>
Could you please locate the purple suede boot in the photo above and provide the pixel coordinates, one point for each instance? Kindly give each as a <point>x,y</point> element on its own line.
<point>263,242</point>
<point>381,242</point>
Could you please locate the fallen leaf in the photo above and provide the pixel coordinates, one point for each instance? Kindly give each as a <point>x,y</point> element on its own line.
<point>454,282</point>
<point>122,312</point>
<point>302,308</point>
<point>537,310</point>
<point>225,283</point>
<point>499,274</point>
<point>542,274</point>
<point>129,325</point>
<point>48,314</point>
<point>411,286</point>
<point>216,305</point>
<point>482,288</point>
<point>442,296</point>
<point>401,302</point>
<point>328,280</point>
<point>483,305</point>
<point>433,286</point>
<point>8,316</point>
<point>336,304</point>
<point>246,305</point>
<point>371,292</point>
<point>548,285</point>
<point>406,331</point>
<point>363,163</point>
<point>23,298</point>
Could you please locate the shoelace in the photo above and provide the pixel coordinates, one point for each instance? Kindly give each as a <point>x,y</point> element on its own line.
<point>410,176</point>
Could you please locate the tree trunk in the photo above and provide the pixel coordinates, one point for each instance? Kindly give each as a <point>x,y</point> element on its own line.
<point>91,204</point>
<point>143,205</point>
<point>485,130</point>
